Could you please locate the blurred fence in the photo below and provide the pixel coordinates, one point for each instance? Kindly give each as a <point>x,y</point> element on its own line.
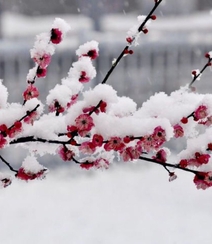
<point>152,68</point>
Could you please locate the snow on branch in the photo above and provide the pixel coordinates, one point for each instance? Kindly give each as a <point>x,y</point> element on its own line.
<point>94,128</point>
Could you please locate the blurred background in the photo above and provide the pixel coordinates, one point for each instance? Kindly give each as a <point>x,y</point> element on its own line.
<point>175,44</point>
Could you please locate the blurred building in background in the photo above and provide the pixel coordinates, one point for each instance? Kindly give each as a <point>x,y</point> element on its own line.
<point>95,8</point>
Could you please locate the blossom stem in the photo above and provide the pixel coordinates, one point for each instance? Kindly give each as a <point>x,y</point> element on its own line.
<point>149,15</point>
<point>33,139</point>
<point>8,165</point>
<point>164,164</point>
<point>76,161</point>
<point>202,70</point>
<point>27,114</point>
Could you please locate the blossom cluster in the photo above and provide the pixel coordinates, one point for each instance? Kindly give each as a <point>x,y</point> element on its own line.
<point>95,127</point>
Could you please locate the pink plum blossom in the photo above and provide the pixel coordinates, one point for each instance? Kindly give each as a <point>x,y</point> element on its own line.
<point>114,143</point>
<point>178,131</point>
<point>30,92</point>
<point>131,153</point>
<point>87,147</point>
<point>84,124</point>
<point>42,60</point>
<point>65,153</point>
<point>200,112</point>
<point>203,180</point>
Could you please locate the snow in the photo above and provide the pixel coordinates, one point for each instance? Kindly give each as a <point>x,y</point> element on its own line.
<point>126,204</point>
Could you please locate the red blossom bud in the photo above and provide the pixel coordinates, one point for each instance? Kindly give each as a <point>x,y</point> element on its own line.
<point>194,73</point>
<point>210,146</point>
<point>207,55</point>
<point>103,106</point>
<point>184,120</point>
<point>153,17</point>
<point>129,40</point>
<point>183,163</point>
<point>127,139</point>
<point>145,31</point>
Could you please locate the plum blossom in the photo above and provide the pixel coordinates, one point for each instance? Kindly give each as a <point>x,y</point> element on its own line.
<point>114,143</point>
<point>203,180</point>
<point>56,107</point>
<point>41,72</point>
<point>56,36</point>
<point>43,61</point>
<point>87,164</point>
<point>31,117</point>
<point>172,176</point>
<point>42,50</point>
<point>59,30</point>
<point>158,136</point>
<point>198,160</point>
<point>89,49</point>
<point>27,175</point>
<point>131,153</point>
<point>3,141</point>
<point>84,124</point>
<point>87,147</point>
<point>15,129</point>
<point>65,153</point>
<point>100,163</point>
<point>31,170</point>
<point>178,131</point>
<point>97,140</point>
<point>82,70</point>
<point>3,130</point>
<point>84,78</point>
<point>200,113</point>
<point>30,92</point>
<point>161,156</point>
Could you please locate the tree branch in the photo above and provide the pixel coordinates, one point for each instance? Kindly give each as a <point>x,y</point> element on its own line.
<point>8,165</point>
<point>164,164</point>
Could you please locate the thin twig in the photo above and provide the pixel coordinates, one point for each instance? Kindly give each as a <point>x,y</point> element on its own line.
<point>201,71</point>
<point>164,164</point>
<point>8,165</point>
<point>37,139</point>
<point>127,47</point>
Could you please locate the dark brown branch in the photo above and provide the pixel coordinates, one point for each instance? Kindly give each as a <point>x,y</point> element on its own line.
<point>37,139</point>
<point>27,114</point>
<point>201,71</point>
<point>127,47</point>
<point>8,165</point>
<point>164,164</point>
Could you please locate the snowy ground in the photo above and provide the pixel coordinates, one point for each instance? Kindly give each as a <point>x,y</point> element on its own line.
<point>123,205</point>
